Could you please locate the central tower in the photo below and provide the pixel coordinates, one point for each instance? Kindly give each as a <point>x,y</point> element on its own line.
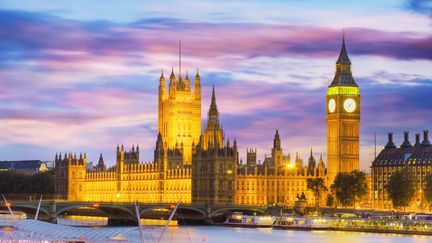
<point>179,112</point>
<point>343,118</point>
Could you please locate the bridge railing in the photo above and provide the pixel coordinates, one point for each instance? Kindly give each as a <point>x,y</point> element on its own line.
<point>30,196</point>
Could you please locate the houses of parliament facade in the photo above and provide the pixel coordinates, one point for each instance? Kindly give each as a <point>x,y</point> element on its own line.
<point>195,166</point>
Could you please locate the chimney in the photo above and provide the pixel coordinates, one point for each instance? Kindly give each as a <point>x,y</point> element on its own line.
<point>426,142</point>
<point>417,143</point>
<point>390,143</point>
<point>406,143</point>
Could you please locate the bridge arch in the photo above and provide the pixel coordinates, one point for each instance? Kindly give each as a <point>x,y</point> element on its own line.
<point>203,213</point>
<point>168,207</point>
<point>147,209</point>
<point>33,207</point>
<point>101,207</point>
<point>221,210</point>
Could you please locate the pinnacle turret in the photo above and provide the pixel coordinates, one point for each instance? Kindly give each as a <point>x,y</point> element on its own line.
<point>277,141</point>
<point>197,76</point>
<point>187,82</point>
<point>213,113</point>
<point>172,76</point>
<point>162,76</point>
<point>213,101</point>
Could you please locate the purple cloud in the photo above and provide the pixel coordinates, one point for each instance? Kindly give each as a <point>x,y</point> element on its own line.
<point>76,85</point>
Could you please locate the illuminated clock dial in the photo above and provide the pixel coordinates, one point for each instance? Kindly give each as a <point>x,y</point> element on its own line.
<point>349,105</point>
<point>332,105</point>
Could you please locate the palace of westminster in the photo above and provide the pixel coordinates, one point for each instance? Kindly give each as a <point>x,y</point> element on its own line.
<point>194,166</point>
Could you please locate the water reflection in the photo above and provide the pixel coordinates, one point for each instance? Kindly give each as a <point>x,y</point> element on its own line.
<point>246,235</point>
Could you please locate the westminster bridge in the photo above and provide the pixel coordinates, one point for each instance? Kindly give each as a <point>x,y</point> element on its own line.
<point>51,209</point>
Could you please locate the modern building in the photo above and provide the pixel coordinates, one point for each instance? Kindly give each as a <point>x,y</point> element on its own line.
<point>24,166</point>
<point>417,158</point>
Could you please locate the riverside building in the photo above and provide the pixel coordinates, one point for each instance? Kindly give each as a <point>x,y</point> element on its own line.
<point>194,167</point>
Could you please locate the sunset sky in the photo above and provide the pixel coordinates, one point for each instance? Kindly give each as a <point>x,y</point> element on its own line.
<point>83,75</point>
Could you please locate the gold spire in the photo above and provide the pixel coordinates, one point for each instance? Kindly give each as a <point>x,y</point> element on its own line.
<point>162,74</point>
<point>179,58</point>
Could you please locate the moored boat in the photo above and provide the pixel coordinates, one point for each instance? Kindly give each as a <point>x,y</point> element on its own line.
<point>237,219</point>
<point>8,219</point>
<point>158,222</point>
<point>301,223</point>
<point>291,222</point>
<point>85,221</point>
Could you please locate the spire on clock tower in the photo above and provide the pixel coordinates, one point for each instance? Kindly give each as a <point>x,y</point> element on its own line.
<point>343,55</point>
<point>343,76</point>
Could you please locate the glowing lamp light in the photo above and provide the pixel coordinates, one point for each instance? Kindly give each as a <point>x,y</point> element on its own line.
<point>96,205</point>
<point>8,204</point>
<point>290,166</point>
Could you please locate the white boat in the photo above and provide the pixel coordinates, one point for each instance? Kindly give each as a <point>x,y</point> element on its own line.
<point>291,222</point>
<point>301,223</point>
<point>319,223</point>
<point>83,221</point>
<point>8,219</point>
<point>237,219</point>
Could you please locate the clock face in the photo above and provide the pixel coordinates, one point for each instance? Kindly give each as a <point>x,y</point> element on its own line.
<point>332,105</point>
<point>349,105</point>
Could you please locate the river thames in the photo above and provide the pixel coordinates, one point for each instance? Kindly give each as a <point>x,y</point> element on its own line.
<point>219,234</point>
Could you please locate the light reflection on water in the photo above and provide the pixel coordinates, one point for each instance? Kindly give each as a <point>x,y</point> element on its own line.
<point>218,234</point>
<point>215,234</point>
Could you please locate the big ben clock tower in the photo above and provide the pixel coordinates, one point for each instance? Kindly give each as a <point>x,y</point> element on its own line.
<point>343,119</point>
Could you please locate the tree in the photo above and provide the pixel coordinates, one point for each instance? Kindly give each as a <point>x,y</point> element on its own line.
<point>12,182</point>
<point>317,186</point>
<point>349,188</point>
<point>330,200</point>
<point>428,190</point>
<point>401,188</point>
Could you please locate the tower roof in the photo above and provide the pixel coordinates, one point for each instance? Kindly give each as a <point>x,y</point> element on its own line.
<point>197,76</point>
<point>162,74</point>
<point>213,113</point>
<point>187,76</point>
<point>172,76</point>
<point>343,76</point>
<point>343,55</point>
<point>213,101</point>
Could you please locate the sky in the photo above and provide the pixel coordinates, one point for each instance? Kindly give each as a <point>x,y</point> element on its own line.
<point>82,76</point>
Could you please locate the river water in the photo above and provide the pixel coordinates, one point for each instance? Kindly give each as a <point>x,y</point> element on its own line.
<point>219,234</point>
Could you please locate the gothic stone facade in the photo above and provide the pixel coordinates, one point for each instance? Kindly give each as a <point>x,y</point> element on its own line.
<point>277,181</point>
<point>190,167</point>
<point>179,113</point>
<point>215,176</point>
